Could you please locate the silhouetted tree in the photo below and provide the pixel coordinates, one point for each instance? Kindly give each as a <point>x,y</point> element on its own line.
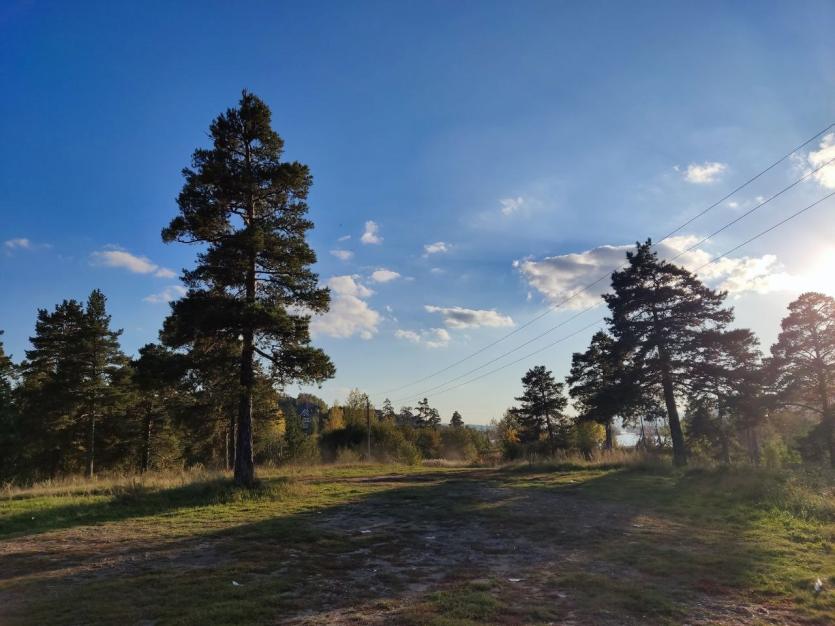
<point>424,412</point>
<point>803,361</point>
<point>388,411</point>
<point>253,279</point>
<point>51,399</point>
<point>456,421</point>
<point>725,387</point>
<point>74,379</point>
<point>598,383</point>
<point>159,377</point>
<point>103,373</point>
<point>10,443</point>
<point>542,405</point>
<point>658,312</point>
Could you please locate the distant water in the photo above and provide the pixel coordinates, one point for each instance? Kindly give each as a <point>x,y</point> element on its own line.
<point>627,440</point>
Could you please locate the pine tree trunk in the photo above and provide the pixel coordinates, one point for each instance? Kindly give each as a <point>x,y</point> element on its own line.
<point>92,459</point>
<point>723,435</point>
<point>244,462</point>
<point>550,429</point>
<point>677,435</point>
<point>754,446</point>
<point>146,451</point>
<point>828,418</point>
<point>228,461</point>
<point>609,444</point>
<point>829,429</point>
<point>725,447</point>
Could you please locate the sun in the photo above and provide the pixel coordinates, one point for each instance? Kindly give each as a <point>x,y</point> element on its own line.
<point>821,274</point>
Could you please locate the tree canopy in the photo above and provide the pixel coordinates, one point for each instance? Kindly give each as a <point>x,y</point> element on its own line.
<point>247,209</point>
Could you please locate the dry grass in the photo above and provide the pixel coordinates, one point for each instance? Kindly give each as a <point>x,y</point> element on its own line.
<point>571,541</point>
<point>111,483</point>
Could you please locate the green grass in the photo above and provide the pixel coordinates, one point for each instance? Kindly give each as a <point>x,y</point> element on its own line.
<point>439,545</point>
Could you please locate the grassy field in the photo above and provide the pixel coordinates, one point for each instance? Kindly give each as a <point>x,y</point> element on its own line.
<point>423,545</point>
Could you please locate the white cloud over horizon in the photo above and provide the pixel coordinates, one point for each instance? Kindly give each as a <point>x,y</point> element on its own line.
<point>349,313</point>
<point>459,317</point>
<point>816,158</point>
<point>704,173</point>
<point>562,276</point>
<point>131,262</point>
<point>371,234</point>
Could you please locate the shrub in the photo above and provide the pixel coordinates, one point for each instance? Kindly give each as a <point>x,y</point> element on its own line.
<point>457,444</point>
<point>429,443</point>
<point>388,443</point>
<point>588,437</point>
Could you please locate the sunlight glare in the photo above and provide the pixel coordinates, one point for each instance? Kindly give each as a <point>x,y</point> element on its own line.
<point>821,274</point>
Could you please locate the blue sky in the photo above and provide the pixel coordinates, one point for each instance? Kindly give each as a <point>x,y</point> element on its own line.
<point>495,148</point>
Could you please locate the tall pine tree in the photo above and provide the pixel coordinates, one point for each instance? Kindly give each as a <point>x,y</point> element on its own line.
<point>73,379</point>
<point>599,387</point>
<point>803,360</point>
<point>102,363</point>
<point>725,390</point>
<point>51,401</point>
<point>542,405</point>
<point>247,208</point>
<point>9,419</point>
<point>658,314</point>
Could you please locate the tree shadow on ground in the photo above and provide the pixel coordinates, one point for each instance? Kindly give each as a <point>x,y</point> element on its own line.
<point>127,503</point>
<point>474,546</point>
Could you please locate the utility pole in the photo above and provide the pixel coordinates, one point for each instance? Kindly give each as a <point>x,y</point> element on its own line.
<point>368,424</point>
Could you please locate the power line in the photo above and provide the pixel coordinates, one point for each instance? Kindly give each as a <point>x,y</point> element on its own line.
<point>602,319</point>
<point>680,254</point>
<point>592,284</point>
<point>501,356</point>
<point>520,359</point>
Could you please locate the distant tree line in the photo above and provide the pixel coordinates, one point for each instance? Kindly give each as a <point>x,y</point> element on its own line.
<point>668,347</point>
<point>78,404</point>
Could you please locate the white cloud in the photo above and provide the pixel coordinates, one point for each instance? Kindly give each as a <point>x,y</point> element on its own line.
<point>130,262</point>
<point>20,243</point>
<point>458,317</point>
<point>371,233</point>
<point>703,173</point>
<point>343,255</point>
<point>408,335</point>
<point>349,286</point>
<point>439,247</point>
<point>344,238</point>
<point>558,277</point>
<point>169,294</point>
<point>383,275</point>
<point>511,205</point>
<point>437,270</point>
<point>349,314</point>
<point>432,338</point>
<point>826,152</point>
